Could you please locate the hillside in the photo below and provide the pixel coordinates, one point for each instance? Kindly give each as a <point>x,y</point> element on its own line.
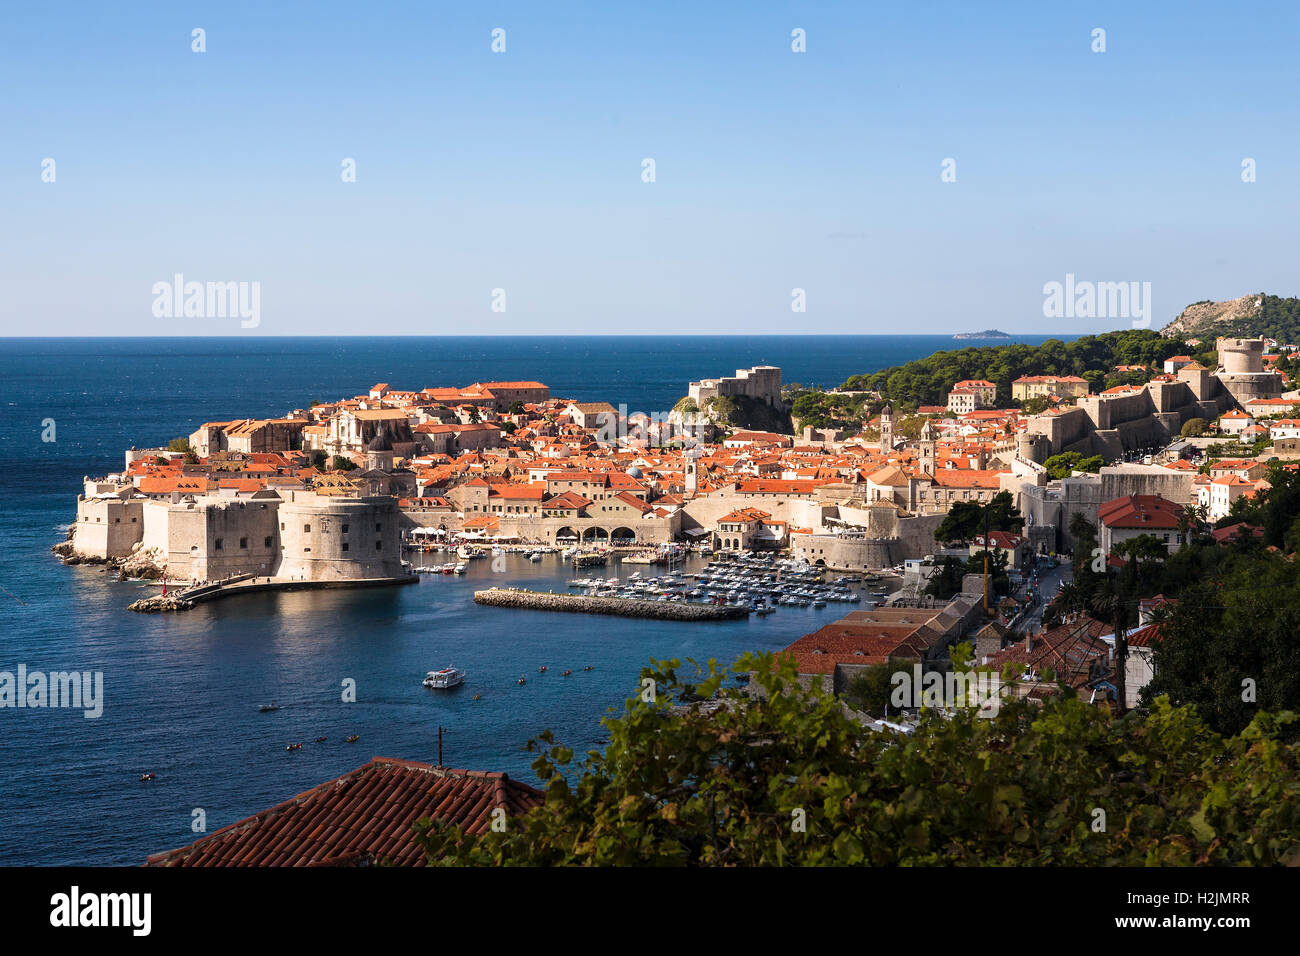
<point>927,381</point>
<point>1249,316</point>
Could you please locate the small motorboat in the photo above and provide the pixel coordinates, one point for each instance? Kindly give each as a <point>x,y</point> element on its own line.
<point>294,747</point>
<point>353,739</point>
<point>147,776</point>
<point>521,682</point>
<point>321,740</point>
<point>542,669</point>
<point>444,679</point>
<point>566,673</point>
<point>267,708</point>
<point>589,668</point>
<point>478,697</point>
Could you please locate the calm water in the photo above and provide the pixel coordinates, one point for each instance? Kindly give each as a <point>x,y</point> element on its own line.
<point>181,691</point>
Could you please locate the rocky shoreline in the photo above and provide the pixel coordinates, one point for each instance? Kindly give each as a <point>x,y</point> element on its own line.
<point>618,607</point>
<point>146,564</point>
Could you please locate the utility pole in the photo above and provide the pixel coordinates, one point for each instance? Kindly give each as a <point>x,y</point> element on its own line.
<point>440,746</point>
<point>1121,656</point>
<point>986,560</point>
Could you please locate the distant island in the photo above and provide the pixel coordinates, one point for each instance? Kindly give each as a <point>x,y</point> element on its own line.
<point>986,334</point>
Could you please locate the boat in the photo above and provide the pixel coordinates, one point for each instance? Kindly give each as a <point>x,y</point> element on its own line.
<point>444,679</point>
<point>521,682</point>
<point>566,673</point>
<point>321,740</point>
<point>535,556</point>
<point>542,669</point>
<point>459,568</point>
<point>354,738</point>
<point>478,697</point>
<point>146,776</point>
<point>267,708</point>
<point>589,667</point>
<point>294,747</point>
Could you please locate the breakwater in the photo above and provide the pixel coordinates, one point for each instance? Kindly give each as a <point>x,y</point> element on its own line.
<point>618,607</point>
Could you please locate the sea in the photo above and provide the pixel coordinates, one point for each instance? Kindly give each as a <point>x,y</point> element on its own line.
<point>181,691</point>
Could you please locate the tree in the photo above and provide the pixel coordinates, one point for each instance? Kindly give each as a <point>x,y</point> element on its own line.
<point>785,777</point>
<point>1068,462</point>
<point>343,464</point>
<point>870,691</point>
<point>1034,406</point>
<point>179,444</point>
<point>319,460</point>
<point>1194,427</point>
<point>967,519</point>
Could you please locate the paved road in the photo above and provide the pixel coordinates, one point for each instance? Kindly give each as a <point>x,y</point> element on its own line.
<point>1049,582</point>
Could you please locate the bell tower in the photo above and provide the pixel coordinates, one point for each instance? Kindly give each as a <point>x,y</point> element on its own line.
<point>887,428</point>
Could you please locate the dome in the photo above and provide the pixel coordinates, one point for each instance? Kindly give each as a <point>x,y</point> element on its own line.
<point>634,472</point>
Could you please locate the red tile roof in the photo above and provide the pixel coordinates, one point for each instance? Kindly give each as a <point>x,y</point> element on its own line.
<point>365,815</point>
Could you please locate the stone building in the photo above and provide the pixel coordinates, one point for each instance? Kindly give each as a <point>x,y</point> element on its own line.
<point>761,383</point>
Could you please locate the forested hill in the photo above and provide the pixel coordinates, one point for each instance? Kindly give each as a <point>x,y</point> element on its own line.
<point>927,381</point>
<point>1250,316</point>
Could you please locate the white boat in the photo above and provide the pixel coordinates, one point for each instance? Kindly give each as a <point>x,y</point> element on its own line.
<point>460,568</point>
<point>535,556</point>
<point>443,679</point>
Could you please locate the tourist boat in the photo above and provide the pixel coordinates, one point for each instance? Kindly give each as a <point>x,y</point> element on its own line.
<point>446,678</point>
<point>321,740</point>
<point>460,568</point>
<point>267,708</point>
<point>566,673</point>
<point>542,669</point>
<point>521,682</point>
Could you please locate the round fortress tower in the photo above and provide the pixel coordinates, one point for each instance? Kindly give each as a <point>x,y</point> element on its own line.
<point>1241,370</point>
<point>1241,356</point>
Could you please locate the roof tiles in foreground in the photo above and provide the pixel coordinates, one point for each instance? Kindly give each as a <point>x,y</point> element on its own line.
<point>365,816</point>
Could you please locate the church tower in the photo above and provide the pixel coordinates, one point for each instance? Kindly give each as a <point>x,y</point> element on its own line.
<point>887,429</point>
<point>925,448</point>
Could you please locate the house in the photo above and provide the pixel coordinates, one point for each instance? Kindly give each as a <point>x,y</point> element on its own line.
<point>1176,362</point>
<point>1122,519</point>
<point>589,415</point>
<point>1234,422</point>
<point>362,818</point>
<point>1014,546</point>
<point>1045,386</point>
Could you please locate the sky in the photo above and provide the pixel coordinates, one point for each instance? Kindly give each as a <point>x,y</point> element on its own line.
<point>506,193</point>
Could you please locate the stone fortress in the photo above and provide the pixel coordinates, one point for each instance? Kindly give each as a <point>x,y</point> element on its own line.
<point>761,383</point>
<point>286,535</point>
<point>1152,415</point>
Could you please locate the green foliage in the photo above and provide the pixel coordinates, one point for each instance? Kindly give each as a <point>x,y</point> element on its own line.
<point>785,778</point>
<point>1194,428</point>
<point>1034,406</point>
<point>179,444</point>
<point>1241,625</point>
<point>927,381</point>
<point>966,519</point>
<point>870,690</point>
<point>1066,463</point>
<point>342,463</point>
<point>319,460</point>
<point>948,581</point>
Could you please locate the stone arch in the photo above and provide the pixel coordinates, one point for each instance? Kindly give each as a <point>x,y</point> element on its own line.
<point>622,535</point>
<point>566,534</point>
<point>595,533</point>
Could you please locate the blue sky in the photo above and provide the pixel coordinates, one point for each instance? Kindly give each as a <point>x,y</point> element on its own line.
<point>522,170</point>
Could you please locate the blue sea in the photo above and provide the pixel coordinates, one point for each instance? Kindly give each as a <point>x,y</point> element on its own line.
<point>181,691</point>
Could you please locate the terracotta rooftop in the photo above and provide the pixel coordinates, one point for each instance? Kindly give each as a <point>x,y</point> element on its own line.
<point>363,816</point>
